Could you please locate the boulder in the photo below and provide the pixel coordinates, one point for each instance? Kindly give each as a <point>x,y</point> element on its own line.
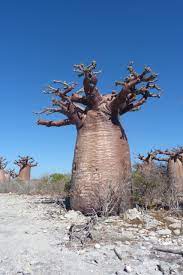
<point>176,232</point>
<point>133,215</point>
<point>176,225</point>
<point>170,219</point>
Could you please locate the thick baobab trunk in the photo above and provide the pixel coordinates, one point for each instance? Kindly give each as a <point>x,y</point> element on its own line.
<point>101,165</point>
<point>2,176</point>
<point>24,173</point>
<point>175,171</point>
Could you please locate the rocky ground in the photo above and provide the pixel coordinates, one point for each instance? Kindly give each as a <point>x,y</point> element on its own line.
<point>40,237</point>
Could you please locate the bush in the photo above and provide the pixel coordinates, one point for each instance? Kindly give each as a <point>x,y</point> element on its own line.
<point>51,184</point>
<point>57,177</point>
<point>150,185</point>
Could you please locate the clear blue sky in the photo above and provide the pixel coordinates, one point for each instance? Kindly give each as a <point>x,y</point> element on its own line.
<point>41,40</point>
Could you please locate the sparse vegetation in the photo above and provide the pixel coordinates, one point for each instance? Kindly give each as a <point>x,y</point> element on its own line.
<point>150,186</point>
<point>51,184</point>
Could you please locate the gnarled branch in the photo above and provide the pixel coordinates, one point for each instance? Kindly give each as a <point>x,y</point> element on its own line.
<point>89,82</point>
<point>128,98</point>
<point>175,153</point>
<point>12,173</point>
<point>136,90</point>
<point>64,104</point>
<point>24,161</point>
<point>50,123</point>
<point>150,156</point>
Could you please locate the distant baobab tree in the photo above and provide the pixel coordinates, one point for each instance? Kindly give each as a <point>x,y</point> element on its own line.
<point>174,159</point>
<point>148,165</point>
<point>25,164</point>
<point>148,160</point>
<point>3,173</point>
<point>101,158</point>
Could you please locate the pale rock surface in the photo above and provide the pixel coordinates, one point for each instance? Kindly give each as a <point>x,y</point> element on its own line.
<point>34,240</point>
<point>175,225</point>
<point>133,215</point>
<point>75,216</point>
<point>176,232</point>
<point>164,232</point>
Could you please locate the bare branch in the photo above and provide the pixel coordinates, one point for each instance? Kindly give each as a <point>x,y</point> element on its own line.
<point>136,90</point>
<point>175,153</point>
<point>49,111</point>
<point>83,70</point>
<point>131,90</point>
<point>24,161</point>
<point>12,173</point>
<point>64,104</point>
<point>161,159</point>
<point>89,82</point>
<point>50,123</point>
<point>150,156</point>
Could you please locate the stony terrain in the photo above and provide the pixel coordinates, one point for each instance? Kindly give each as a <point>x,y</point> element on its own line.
<point>34,240</point>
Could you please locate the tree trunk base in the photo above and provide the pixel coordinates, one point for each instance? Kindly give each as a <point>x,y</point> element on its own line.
<point>101,167</point>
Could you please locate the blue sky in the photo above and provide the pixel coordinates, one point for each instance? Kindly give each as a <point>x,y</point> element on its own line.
<point>41,40</point>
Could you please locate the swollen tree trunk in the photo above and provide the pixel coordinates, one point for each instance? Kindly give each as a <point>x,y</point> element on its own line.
<point>175,172</point>
<point>24,173</point>
<point>101,166</point>
<point>2,176</point>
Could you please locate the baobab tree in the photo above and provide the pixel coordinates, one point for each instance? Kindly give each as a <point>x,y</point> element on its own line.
<point>25,164</point>
<point>147,167</point>
<point>101,158</point>
<point>148,160</point>
<point>174,159</point>
<point>3,164</point>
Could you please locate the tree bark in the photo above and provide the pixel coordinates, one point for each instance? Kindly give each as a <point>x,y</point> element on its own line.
<point>101,166</point>
<point>175,172</point>
<point>24,173</point>
<point>2,176</point>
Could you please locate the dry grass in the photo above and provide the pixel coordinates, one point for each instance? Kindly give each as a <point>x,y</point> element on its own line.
<point>46,185</point>
<point>151,187</point>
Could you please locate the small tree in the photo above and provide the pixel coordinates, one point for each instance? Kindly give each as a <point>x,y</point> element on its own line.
<point>101,152</point>
<point>25,164</point>
<point>147,162</point>
<point>149,181</point>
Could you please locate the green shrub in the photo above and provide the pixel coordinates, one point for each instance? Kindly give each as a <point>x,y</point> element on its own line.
<point>57,177</point>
